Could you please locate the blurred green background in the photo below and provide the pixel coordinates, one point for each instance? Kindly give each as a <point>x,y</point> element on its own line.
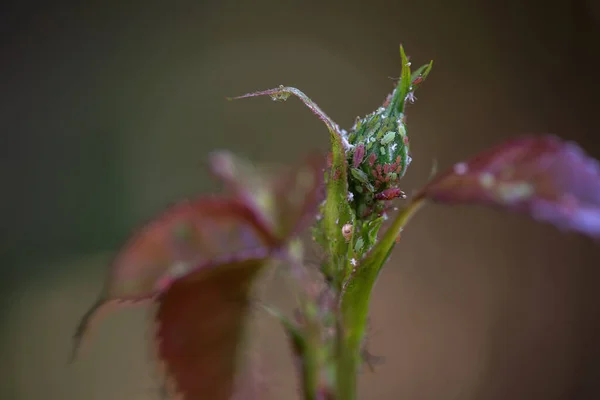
<point>109,109</point>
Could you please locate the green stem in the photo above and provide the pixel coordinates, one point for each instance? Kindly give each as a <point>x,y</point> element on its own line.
<point>348,357</point>
<point>310,375</point>
<point>355,304</point>
<point>348,364</point>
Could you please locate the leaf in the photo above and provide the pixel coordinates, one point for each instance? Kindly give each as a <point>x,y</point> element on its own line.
<point>187,234</point>
<point>400,95</point>
<point>543,176</point>
<point>408,83</point>
<point>419,76</point>
<point>200,323</point>
<point>198,261</point>
<point>253,382</point>
<point>405,76</point>
<point>284,200</point>
<point>267,210</point>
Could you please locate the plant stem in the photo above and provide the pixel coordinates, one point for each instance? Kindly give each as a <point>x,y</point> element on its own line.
<point>355,301</point>
<point>348,363</point>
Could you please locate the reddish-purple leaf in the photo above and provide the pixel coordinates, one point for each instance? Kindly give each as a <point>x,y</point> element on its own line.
<point>551,180</point>
<point>186,235</point>
<point>253,381</point>
<point>198,261</point>
<point>200,323</point>
<point>285,199</point>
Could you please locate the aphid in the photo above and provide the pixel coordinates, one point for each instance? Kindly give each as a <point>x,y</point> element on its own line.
<point>388,138</point>
<point>375,140</point>
<point>359,155</point>
<point>358,246</point>
<point>362,178</point>
<point>372,159</point>
<point>390,194</point>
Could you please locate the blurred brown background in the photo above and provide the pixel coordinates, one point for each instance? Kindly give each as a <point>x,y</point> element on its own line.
<point>109,109</point>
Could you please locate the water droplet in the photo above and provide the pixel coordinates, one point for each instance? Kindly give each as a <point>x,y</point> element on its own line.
<point>487,180</point>
<point>515,191</point>
<point>460,168</point>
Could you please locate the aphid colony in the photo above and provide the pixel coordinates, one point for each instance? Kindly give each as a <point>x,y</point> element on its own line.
<point>379,151</point>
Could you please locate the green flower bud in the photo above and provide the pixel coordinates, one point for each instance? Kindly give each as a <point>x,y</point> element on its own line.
<point>380,152</point>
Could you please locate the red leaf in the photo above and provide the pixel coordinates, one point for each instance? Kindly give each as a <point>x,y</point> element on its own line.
<point>551,180</point>
<point>186,235</point>
<point>200,324</point>
<point>284,199</point>
<point>198,260</point>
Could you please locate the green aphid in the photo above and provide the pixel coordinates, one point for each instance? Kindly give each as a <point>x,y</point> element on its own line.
<point>382,135</point>
<point>358,246</point>
<point>402,128</point>
<point>359,175</point>
<point>388,138</point>
<point>362,177</point>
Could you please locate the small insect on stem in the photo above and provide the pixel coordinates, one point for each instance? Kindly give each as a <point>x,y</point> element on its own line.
<point>390,194</point>
<point>388,138</point>
<point>362,178</point>
<point>359,155</point>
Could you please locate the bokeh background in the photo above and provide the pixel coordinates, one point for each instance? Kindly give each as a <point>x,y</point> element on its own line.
<point>109,109</point>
